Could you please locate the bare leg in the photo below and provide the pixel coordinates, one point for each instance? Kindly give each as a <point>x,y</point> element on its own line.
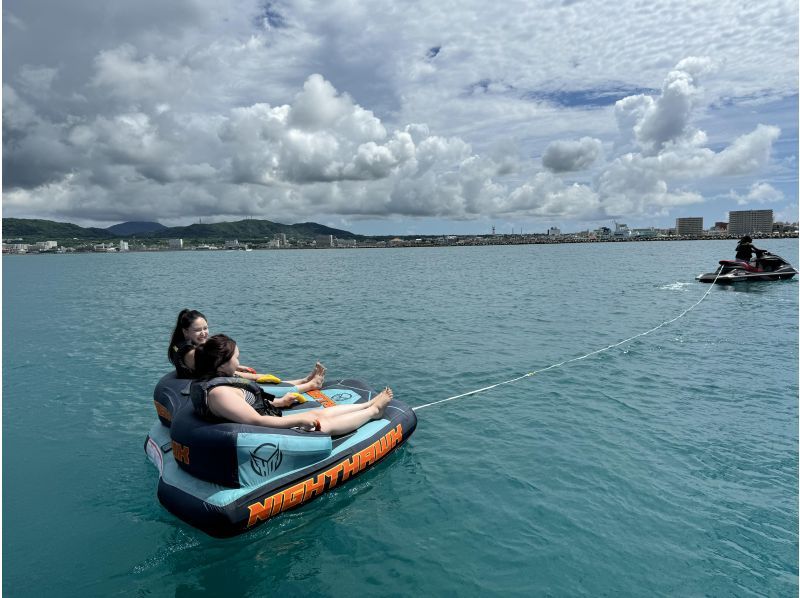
<point>337,410</point>
<point>314,384</point>
<point>343,421</point>
<point>380,401</point>
<point>318,370</point>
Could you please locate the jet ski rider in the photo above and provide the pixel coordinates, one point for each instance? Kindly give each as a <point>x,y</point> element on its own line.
<point>745,250</point>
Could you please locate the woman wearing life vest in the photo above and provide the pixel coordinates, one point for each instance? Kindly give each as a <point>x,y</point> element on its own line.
<point>191,331</point>
<point>216,394</point>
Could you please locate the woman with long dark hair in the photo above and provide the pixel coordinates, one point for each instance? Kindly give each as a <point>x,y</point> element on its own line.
<point>191,331</point>
<point>218,358</point>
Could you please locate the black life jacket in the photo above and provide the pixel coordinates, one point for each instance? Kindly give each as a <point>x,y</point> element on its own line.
<point>177,355</point>
<point>200,389</point>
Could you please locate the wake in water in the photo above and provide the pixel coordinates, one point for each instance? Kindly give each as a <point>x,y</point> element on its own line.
<point>184,542</point>
<point>676,286</point>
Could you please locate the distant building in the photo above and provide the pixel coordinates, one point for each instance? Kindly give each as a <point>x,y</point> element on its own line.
<point>344,242</point>
<point>175,243</point>
<point>234,244</point>
<point>45,245</point>
<point>641,233</point>
<point>745,222</point>
<point>324,240</point>
<point>721,226</point>
<point>123,246</point>
<point>621,231</point>
<point>280,239</point>
<point>689,227</point>
<point>784,227</point>
<point>554,231</point>
<point>15,248</point>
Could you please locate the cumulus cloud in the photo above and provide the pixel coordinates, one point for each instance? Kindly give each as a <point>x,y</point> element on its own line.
<point>217,112</point>
<point>548,196</point>
<point>665,120</point>
<point>124,75</point>
<point>747,153</point>
<point>759,192</point>
<point>569,156</point>
<point>671,151</point>
<point>323,136</point>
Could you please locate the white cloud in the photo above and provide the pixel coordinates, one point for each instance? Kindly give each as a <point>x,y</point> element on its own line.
<point>322,137</point>
<point>759,192</point>
<point>568,156</point>
<point>215,109</point>
<point>37,80</point>
<point>323,153</point>
<point>547,196</point>
<point>128,77</point>
<point>747,153</point>
<point>658,122</point>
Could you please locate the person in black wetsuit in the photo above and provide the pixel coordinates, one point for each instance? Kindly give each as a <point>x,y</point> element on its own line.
<point>745,249</point>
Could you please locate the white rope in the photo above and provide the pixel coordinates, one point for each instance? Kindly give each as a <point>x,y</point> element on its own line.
<point>558,365</point>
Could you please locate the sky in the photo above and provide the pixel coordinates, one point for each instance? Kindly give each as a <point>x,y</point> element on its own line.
<point>446,117</point>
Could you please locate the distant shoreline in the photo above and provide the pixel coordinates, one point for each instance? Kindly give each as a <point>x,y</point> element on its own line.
<point>423,241</point>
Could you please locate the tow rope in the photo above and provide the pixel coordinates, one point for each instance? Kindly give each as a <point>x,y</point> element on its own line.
<point>574,359</point>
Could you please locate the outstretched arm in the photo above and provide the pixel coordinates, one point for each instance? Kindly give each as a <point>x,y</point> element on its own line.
<point>228,403</point>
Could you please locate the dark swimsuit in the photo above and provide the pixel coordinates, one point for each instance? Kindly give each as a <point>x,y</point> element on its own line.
<point>177,355</point>
<point>260,404</point>
<point>254,395</point>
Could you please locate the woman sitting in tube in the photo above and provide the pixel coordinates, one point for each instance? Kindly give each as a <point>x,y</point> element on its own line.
<point>218,356</point>
<point>191,331</point>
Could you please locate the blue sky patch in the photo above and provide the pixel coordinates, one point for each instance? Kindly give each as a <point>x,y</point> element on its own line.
<point>270,16</point>
<point>589,98</point>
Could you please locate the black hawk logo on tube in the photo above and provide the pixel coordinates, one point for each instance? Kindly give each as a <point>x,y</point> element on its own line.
<point>266,459</point>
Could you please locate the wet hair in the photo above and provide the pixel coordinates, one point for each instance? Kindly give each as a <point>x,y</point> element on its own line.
<point>213,354</point>
<point>185,319</point>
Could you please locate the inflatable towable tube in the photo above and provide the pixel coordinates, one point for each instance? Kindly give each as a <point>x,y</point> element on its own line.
<point>227,478</point>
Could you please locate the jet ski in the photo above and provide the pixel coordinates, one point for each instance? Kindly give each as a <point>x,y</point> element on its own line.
<point>767,266</point>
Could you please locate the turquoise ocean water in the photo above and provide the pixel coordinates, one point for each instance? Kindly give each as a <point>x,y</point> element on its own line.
<point>664,467</point>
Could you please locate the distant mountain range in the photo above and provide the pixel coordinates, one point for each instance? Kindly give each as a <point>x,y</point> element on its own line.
<point>135,228</point>
<point>31,231</point>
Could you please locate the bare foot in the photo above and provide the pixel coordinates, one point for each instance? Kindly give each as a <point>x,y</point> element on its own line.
<point>382,399</point>
<point>318,369</point>
<point>317,381</point>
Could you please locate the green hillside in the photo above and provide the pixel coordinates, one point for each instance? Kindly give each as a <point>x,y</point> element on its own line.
<point>248,230</point>
<point>31,231</point>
